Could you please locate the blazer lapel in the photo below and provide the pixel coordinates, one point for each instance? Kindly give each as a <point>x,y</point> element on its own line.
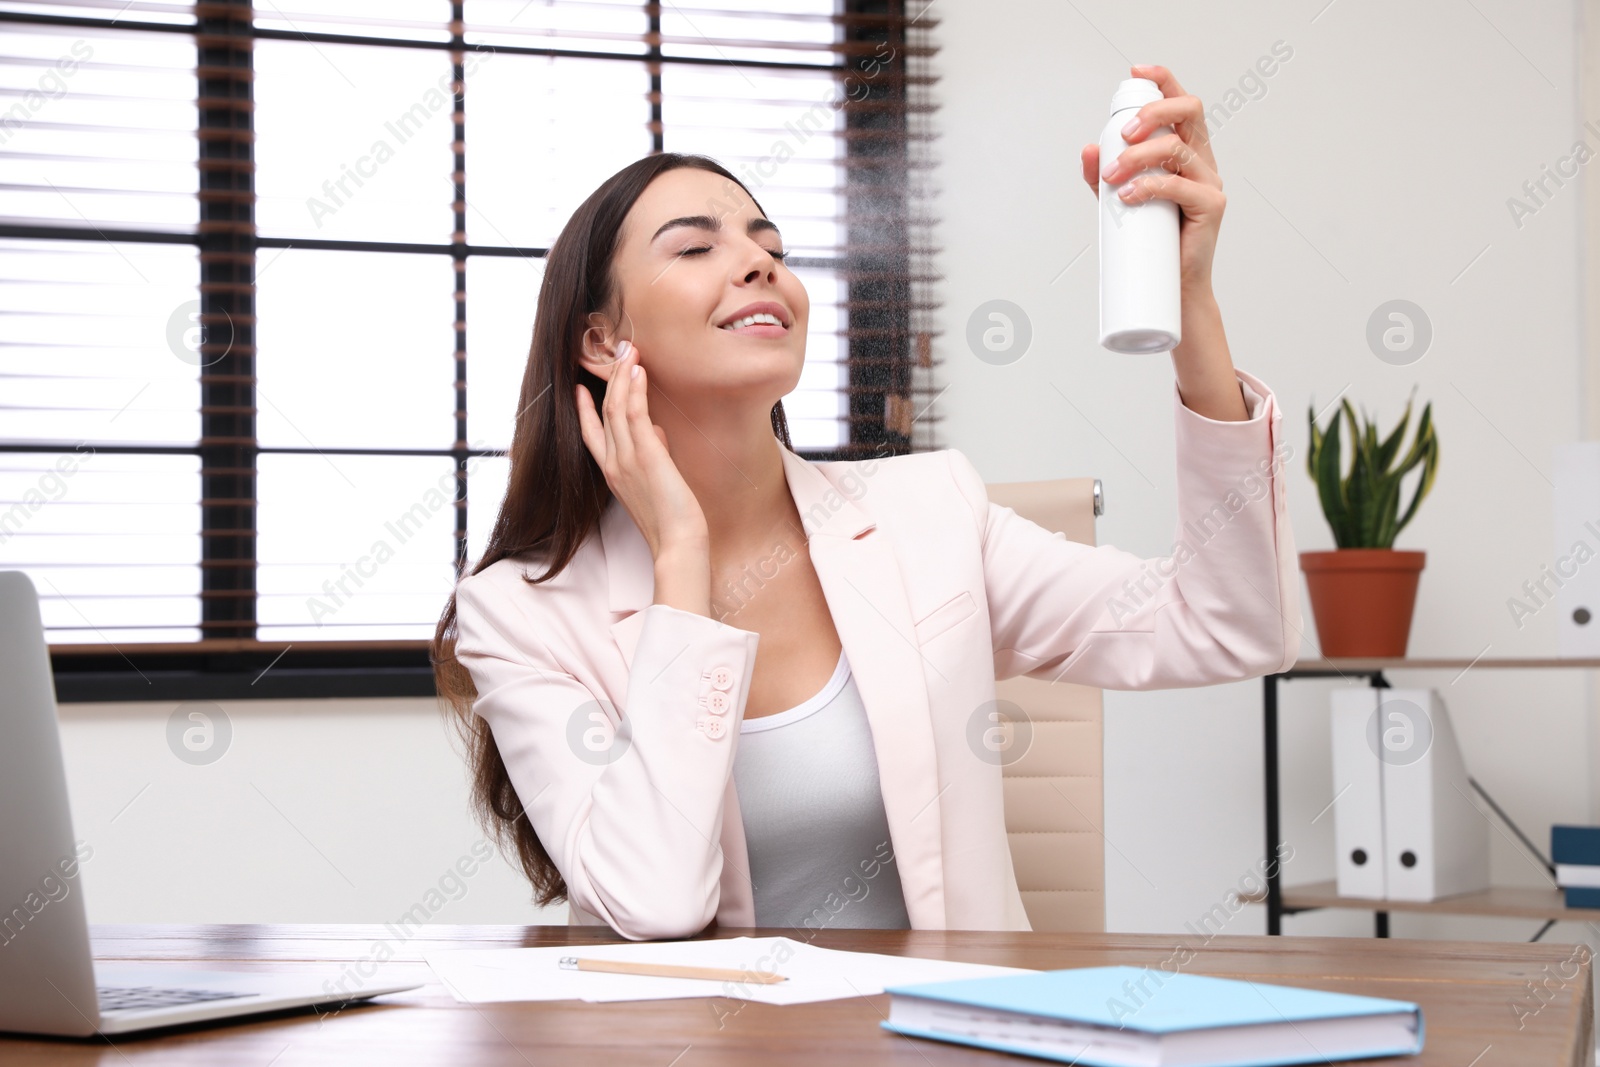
<point>861,581</point>
<point>630,588</point>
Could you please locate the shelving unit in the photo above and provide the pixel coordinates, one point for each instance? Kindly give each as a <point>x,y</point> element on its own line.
<point>1503,901</point>
<point>1499,902</point>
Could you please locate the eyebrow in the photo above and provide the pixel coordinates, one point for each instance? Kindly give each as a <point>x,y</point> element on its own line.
<point>709,222</point>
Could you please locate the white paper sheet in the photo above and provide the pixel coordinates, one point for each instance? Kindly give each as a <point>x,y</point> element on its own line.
<point>481,976</point>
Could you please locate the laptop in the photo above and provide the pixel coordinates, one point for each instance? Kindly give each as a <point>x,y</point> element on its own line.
<point>49,983</point>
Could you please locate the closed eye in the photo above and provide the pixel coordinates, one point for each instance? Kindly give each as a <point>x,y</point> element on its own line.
<point>779,256</point>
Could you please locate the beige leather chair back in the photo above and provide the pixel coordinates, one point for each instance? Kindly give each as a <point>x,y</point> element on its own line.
<point>1054,796</point>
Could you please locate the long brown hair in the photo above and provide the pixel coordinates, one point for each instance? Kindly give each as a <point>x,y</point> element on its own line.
<point>556,491</point>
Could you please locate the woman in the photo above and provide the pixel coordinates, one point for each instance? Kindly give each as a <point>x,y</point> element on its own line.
<point>604,698</point>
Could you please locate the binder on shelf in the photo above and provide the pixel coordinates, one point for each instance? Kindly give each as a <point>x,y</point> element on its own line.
<point>1580,897</point>
<point>1436,835</point>
<point>1358,797</point>
<point>1575,850</point>
<point>1577,876</point>
<point>1396,753</point>
<point>1575,845</point>
<point>1577,520</point>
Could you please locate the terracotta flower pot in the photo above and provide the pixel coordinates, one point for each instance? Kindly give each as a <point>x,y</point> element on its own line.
<point>1362,599</point>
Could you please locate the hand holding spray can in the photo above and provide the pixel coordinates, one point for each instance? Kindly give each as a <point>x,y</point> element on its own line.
<point>1140,309</point>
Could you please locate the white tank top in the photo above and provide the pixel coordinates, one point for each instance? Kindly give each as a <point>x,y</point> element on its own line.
<point>814,822</point>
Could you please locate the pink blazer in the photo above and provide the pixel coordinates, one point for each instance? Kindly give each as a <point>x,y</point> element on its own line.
<point>618,719</point>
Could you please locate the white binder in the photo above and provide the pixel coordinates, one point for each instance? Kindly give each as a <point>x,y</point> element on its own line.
<point>1397,752</point>
<point>1435,835</point>
<point>1358,796</point>
<point>1572,580</point>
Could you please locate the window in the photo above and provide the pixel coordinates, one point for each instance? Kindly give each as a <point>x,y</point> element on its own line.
<point>271,276</point>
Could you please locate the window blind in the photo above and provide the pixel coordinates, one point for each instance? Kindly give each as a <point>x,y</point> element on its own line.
<point>271,275</point>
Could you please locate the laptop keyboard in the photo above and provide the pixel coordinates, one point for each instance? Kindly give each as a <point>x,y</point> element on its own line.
<point>140,997</point>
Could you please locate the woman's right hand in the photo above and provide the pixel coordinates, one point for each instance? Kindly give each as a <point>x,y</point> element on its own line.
<point>632,453</point>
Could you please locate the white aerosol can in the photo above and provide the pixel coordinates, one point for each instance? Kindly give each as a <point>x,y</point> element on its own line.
<point>1139,272</point>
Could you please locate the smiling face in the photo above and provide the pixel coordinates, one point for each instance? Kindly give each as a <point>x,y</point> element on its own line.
<point>696,253</point>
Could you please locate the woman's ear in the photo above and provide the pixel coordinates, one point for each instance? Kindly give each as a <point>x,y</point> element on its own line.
<point>599,347</point>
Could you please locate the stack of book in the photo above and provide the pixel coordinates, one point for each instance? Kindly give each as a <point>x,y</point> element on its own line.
<point>1576,852</point>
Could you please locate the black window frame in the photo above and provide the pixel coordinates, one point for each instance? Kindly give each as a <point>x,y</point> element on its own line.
<point>886,340</point>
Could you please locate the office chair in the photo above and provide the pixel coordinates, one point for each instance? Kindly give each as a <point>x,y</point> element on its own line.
<point>1054,792</point>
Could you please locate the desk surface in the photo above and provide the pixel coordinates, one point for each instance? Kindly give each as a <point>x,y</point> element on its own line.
<point>1469,992</point>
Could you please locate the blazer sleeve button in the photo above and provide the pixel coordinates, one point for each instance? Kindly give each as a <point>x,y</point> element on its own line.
<point>721,678</point>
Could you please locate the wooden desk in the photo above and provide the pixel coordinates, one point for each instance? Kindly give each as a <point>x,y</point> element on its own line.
<point>1467,990</point>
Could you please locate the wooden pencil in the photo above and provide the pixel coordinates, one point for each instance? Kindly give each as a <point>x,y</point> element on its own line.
<point>670,970</point>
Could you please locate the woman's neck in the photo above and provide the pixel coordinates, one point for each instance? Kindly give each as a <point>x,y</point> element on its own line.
<point>739,480</point>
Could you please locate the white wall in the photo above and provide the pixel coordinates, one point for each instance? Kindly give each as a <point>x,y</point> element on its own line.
<point>1375,165</point>
<point>318,811</point>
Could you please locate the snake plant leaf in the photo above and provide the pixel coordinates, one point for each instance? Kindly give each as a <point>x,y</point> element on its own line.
<point>1330,488</point>
<point>1424,450</point>
<point>1391,444</point>
<point>1382,488</point>
<point>1388,504</point>
<point>1316,442</point>
<point>1430,468</point>
<point>1359,486</point>
<point>1419,443</point>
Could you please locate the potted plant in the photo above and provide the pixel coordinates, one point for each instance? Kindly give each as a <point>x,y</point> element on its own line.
<point>1363,591</point>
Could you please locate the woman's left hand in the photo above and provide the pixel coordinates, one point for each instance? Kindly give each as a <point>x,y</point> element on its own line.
<point>1193,183</point>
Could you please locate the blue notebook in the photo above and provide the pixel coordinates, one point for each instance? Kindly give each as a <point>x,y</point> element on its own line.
<point>1124,1016</point>
<point>1575,844</point>
<point>1582,897</point>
